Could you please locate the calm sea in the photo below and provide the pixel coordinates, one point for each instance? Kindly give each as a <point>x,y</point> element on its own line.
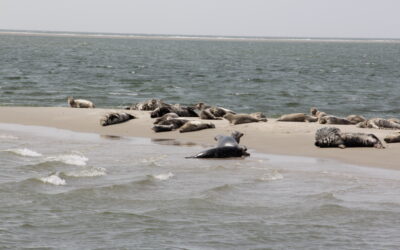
<point>68,190</point>
<point>273,77</point>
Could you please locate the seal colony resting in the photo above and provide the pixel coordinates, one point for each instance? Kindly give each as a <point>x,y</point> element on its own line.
<point>227,146</point>
<point>333,137</point>
<point>79,103</point>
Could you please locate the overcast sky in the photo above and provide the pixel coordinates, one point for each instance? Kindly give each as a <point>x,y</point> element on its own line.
<point>271,18</point>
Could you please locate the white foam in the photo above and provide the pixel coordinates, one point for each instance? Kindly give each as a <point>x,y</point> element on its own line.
<point>53,179</point>
<point>92,172</point>
<point>8,137</point>
<point>275,175</point>
<point>71,159</point>
<point>24,152</point>
<point>163,177</point>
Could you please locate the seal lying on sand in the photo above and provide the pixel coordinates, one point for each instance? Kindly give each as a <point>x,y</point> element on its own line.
<point>297,117</point>
<point>79,103</point>
<point>114,118</point>
<point>211,113</point>
<point>169,124</point>
<point>355,119</point>
<point>227,146</point>
<point>165,117</point>
<point>191,126</point>
<point>333,137</point>
<point>243,118</point>
<point>181,111</point>
<point>330,119</point>
<point>148,105</point>
<point>395,137</point>
<point>379,123</point>
<point>315,112</point>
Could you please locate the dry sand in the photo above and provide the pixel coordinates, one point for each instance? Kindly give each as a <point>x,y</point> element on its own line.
<point>272,137</point>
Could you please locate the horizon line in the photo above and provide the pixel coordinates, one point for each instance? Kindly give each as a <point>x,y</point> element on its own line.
<point>190,37</point>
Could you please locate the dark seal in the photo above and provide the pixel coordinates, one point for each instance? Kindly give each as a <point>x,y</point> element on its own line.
<point>227,146</point>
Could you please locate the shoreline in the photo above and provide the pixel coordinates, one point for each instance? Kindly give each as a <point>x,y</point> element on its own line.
<point>272,137</point>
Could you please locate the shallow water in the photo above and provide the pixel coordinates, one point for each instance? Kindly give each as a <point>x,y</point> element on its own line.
<point>68,190</point>
<point>273,77</point>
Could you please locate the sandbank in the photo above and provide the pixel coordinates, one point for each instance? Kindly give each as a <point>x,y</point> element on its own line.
<point>272,137</point>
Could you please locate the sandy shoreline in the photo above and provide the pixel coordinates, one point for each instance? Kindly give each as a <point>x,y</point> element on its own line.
<point>272,137</point>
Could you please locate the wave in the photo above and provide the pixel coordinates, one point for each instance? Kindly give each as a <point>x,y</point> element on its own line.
<point>24,152</point>
<point>53,179</point>
<point>163,177</point>
<point>275,175</point>
<point>8,137</point>
<point>91,172</point>
<point>70,159</point>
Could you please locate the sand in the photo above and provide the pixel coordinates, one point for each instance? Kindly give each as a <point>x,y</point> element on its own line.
<point>272,137</point>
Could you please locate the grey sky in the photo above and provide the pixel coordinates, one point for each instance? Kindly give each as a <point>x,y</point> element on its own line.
<point>283,18</point>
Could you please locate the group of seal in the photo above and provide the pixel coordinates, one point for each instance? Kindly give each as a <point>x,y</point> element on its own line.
<point>171,117</point>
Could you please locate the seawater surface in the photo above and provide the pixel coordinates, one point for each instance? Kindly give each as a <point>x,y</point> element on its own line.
<point>274,77</point>
<point>69,190</point>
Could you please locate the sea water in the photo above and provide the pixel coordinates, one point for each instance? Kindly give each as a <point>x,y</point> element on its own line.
<point>274,77</point>
<point>69,190</point>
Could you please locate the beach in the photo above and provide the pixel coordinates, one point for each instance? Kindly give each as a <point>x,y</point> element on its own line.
<point>272,137</point>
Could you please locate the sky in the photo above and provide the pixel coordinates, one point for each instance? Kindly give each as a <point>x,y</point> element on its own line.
<point>265,18</point>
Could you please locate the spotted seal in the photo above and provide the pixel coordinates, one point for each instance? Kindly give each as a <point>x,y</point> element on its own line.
<point>333,137</point>
<point>79,103</point>
<point>379,123</point>
<point>114,118</point>
<point>297,117</point>
<point>243,118</point>
<point>227,146</point>
<point>191,126</point>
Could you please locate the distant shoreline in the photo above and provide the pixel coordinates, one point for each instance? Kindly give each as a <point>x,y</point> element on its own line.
<point>193,38</point>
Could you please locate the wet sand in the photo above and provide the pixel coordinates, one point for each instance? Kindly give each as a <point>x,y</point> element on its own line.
<point>272,137</point>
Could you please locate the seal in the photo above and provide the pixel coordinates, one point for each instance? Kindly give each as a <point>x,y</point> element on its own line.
<point>227,146</point>
<point>114,118</point>
<point>222,152</point>
<point>165,117</point>
<point>191,126</point>
<point>354,119</point>
<point>181,111</point>
<point>297,117</point>
<point>169,124</point>
<point>330,119</point>
<point>379,123</point>
<point>333,137</point>
<point>232,141</point>
<point>392,138</point>
<point>242,118</point>
<point>316,113</point>
<point>79,103</point>
<point>148,105</point>
<point>208,112</point>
